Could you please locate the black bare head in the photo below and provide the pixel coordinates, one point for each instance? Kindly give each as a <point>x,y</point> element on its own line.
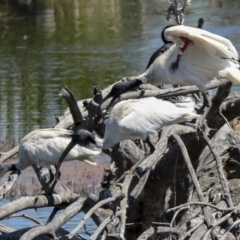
<point>120,88</point>
<point>200,22</point>
<point>84,138</point>
<point>163,36</point>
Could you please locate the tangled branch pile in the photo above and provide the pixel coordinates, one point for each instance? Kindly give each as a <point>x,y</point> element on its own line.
<point>187,188</point>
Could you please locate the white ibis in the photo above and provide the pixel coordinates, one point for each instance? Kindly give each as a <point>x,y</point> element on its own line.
<point>44,147</point>
<point>192,56</point>
<point>167,43</point>
<point>122,87</point>
<point>137,118</point>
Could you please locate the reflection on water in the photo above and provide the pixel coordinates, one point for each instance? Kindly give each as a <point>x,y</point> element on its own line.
<point>46,44</point>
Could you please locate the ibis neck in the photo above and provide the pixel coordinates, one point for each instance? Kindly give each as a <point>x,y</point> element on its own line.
<point>147,76</point>
<point>163,36</point>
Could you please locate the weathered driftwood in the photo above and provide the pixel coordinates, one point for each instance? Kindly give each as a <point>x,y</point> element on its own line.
<point>137,191</point>
<point>154,184</point>
<point>4,229</point>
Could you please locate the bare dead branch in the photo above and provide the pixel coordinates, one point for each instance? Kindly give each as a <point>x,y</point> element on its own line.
<point>124,203</point>
<point>27,217</point>
<point>56,223</point>
<point>220,221</point>
<point>32,202</point>
<point>161,145</point>
<point>176,213</point>
<point>194,178</point>
<point>223,180</point>
<point>176,10</point>
<point>116,197</point>
<point>103,225</point>
<point>188,233</point>
<point>236,223</point>
<point>139,187</point>
<point>158,230</point>
<point>4,229</point>
<point>201,203</point>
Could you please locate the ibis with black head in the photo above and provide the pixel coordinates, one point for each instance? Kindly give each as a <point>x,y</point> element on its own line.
<point>43,147</point>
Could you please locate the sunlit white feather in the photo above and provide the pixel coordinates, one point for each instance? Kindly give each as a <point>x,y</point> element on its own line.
<point>205,57</point>
<point>43,147</point>
<point>137,118</point>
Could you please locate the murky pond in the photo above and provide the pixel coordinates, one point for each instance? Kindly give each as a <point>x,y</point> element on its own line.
<point>47,44</point>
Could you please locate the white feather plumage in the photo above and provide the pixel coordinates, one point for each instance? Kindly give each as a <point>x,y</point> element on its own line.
<point>196,57</point>
<point>43,147</point>
<point>137,118</point>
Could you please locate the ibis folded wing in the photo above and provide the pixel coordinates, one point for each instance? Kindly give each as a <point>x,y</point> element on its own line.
<point>212,43</point>
<point>149,115</point>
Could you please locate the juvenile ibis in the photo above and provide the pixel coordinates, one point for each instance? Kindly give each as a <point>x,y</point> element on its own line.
<point>137,118</point>
<point>43,147</point>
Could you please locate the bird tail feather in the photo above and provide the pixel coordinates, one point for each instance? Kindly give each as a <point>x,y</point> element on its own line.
<point>231,74</point>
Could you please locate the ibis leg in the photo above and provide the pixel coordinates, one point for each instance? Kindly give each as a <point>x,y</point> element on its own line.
<point>207,104</point>
<point>53,213</point>
<point>54,176</point>
<point>152,147</point>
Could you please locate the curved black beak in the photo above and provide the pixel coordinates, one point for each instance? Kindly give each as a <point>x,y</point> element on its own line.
<point>109,95</point>
<point>120,88</point>
<point>64,154</point>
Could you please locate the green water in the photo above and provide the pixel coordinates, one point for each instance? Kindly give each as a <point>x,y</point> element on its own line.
<point>45,45</point>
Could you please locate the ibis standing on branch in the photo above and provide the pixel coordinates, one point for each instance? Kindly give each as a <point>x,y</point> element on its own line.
<point>137,118</point>
<point>43,147</point>
<point>192,56</point>
<point>167,43</point>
